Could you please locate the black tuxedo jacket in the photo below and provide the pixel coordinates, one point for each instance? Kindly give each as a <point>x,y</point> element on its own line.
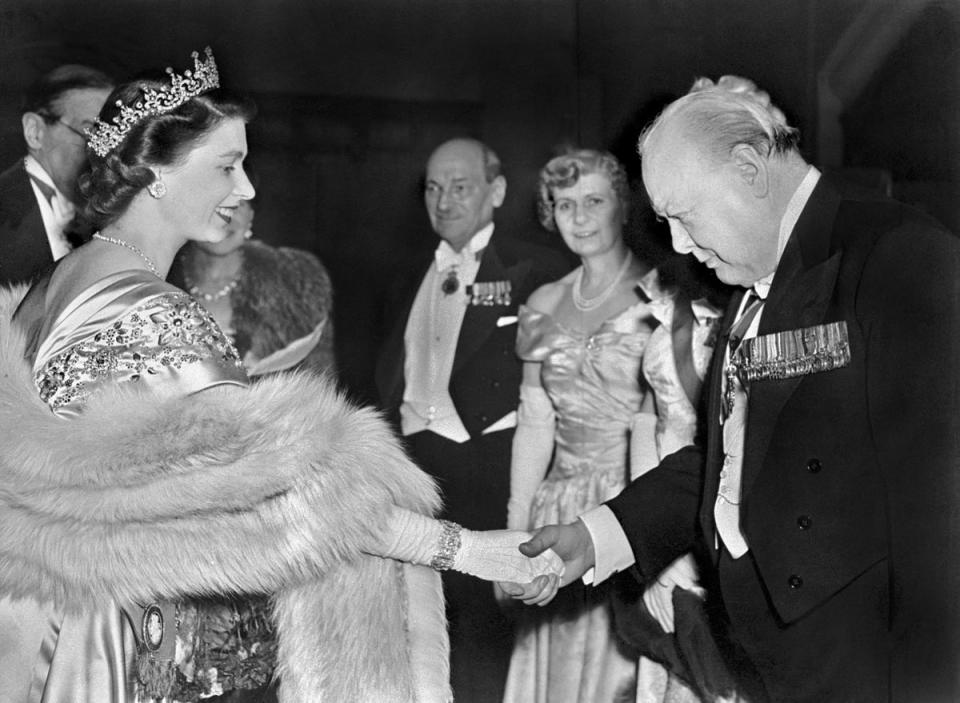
<point>485,380</point>
<point>24,248</point>
<point>850,468</point>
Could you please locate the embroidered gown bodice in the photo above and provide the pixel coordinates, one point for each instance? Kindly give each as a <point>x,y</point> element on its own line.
<point>130,328</point>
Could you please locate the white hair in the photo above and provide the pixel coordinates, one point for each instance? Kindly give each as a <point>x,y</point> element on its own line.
<point>728,113</point>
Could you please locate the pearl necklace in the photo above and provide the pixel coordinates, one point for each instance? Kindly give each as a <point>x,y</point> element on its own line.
<point>195,291</point>
<point>135,250</point>
<point>585,304</point>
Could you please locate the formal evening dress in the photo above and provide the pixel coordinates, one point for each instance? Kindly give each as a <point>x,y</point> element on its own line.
<point>281,307</point>
<point>568,651</point>
<point>127,327</point>
<point>676,414</point>
<point>676,427</point>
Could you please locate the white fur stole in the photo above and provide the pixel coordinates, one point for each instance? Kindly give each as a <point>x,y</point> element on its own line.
<point>278,488</point>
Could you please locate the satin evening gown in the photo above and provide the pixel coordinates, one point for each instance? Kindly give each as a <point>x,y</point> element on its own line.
<point>676,428</point>
<point>568,651</point>
<point>127,327</point>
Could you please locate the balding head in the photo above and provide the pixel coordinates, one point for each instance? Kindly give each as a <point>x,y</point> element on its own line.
<point>717,117</point>
<point>468,147</point>
<point>720,165</point>
<point>463,188</point>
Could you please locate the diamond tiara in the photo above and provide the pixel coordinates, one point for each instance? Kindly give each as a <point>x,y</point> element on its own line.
<point>103,136</point>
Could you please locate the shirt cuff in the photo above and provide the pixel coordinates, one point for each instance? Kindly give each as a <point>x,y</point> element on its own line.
<point>612,551</point>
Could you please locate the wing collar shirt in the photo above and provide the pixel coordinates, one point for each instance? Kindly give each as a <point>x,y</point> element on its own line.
<point>613,551</point>
<point>430,340</point>
<point>55,209</point>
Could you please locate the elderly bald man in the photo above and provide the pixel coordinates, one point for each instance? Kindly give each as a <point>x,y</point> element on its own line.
<point>825,495</point>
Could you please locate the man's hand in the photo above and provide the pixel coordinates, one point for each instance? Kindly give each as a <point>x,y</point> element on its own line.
<point>572,543</point>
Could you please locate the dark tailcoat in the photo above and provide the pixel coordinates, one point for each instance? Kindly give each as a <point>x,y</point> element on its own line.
<point>485,380</point>
<point>24,248</point>
<point>474,476</point>
<point>849,485</point>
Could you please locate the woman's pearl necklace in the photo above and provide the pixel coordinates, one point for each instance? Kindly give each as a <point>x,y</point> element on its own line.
<point>225,290</point>
<point>586,304</point>
<point>195,291</point>
<point>135,250</point>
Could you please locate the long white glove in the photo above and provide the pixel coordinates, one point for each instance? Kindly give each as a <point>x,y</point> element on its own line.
<point>658,596</point>
<point>530,457</point>
<point>491,556</point>
<point>643,444</point>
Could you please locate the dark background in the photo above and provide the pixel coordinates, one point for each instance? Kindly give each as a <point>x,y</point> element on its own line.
<point>354,94</point>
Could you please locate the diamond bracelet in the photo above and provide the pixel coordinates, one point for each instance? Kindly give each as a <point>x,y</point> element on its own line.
<point>447,546</point>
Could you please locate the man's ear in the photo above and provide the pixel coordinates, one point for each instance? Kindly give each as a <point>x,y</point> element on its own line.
<point>499,187</point>
<point>34,127</point>
<point>753,169</point>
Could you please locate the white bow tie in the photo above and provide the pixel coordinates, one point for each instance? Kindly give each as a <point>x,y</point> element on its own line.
<point>446,258</point>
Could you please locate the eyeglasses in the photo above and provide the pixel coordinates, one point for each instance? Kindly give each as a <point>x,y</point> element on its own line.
<point>459,192</point>
<point>57,118</point>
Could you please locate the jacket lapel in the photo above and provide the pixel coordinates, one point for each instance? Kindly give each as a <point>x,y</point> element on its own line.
<point>480,321</point>
<point>23,241</point>
<point>801,293</point>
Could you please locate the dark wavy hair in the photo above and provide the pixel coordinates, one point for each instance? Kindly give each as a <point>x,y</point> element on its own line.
<point>41,95</point>
<point>112,181</point>
<point>565,170</point>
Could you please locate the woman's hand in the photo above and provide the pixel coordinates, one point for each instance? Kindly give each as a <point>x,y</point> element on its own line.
<point>658,597</point>
<point>495,556</point>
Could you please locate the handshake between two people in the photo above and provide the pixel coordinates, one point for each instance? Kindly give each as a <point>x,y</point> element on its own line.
<point>570,544</point>
<point>573,544</point>
<point>529,568</point>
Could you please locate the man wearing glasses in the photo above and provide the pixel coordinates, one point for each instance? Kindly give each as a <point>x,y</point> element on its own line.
<point>38,194</point>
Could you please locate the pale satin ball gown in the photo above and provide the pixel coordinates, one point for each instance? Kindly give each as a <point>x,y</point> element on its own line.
<point>127,326</point>
<point>676,426</point>
<point>568,651</point>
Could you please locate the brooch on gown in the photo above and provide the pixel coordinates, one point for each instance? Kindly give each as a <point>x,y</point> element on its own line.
<point>787,354</point>
<point>156,670</point>
<point>489,293</point>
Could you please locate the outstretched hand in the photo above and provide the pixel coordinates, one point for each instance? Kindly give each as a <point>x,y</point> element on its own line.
<point>494,556</point>
<point>572,543</point>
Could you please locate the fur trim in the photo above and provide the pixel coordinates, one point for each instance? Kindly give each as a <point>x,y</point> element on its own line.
<point>278,488</point>
<point>282,295</point>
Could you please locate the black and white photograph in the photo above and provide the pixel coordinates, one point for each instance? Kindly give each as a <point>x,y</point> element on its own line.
<point>480,351</point>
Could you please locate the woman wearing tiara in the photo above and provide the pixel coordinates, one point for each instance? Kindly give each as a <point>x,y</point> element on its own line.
<point>582,407</point>
<point>139,466</point>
